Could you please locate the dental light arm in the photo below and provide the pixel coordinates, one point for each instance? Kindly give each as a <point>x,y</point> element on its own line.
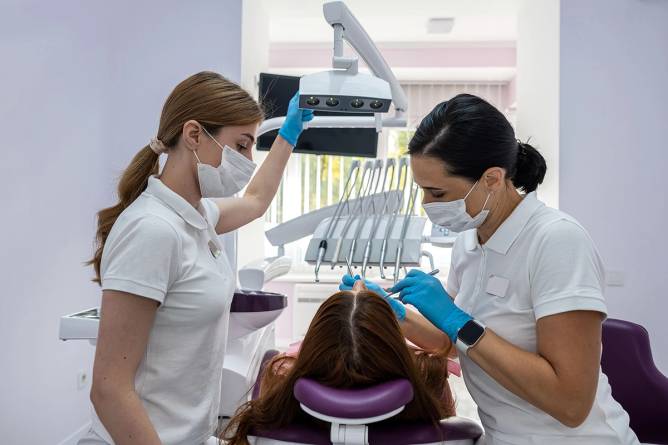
<point>346,27</point>
<point>337,13</point>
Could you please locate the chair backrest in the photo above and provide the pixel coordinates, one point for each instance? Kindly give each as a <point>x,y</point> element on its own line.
<point>351,405</point>
<point>636,383</point>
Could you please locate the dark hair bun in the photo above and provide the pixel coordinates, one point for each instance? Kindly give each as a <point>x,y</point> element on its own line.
<point>530,168</point>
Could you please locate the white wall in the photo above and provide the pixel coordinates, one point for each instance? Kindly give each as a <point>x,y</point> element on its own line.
<point>537,85</point>
<point>81,87</point>
<point>614,91</point>
<point>254,60</point>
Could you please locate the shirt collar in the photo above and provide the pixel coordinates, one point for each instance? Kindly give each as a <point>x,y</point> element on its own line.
<point>176,202</point>
<point>510,229</point>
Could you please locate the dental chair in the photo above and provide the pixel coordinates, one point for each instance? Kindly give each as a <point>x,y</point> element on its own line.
<point>636,383</point>
<point>356,418</point>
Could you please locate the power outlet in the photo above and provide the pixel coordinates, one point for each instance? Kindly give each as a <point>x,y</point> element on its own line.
<point>82,380</point>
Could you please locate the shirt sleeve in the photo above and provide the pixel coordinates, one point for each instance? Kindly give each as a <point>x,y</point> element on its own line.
<point>142,259</point>
<point>212,211</point>
<point>566,272</point>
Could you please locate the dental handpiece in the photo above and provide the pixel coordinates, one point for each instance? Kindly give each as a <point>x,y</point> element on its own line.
<point>390,163</point>
<point>361,191</point>
<point>403,168</point>
<point>373,190</point>
<point>350,268</point>
<point>322,248</point>
<point>433,272</point>
<point>404,229</point>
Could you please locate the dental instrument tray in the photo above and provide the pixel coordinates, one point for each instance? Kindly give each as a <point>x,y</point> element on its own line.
<point>80,325</point>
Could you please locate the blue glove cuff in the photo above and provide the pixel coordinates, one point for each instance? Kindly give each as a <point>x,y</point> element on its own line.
<point>289,136</point>
<point>454,322</point>
<point>398,308</point>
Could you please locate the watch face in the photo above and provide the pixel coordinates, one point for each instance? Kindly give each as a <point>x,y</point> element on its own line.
<point>470,332</point>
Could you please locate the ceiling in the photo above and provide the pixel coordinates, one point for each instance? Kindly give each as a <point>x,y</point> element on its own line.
<point>397,21</point>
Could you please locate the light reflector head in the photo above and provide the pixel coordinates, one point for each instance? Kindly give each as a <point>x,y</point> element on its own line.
<point>341,91</point>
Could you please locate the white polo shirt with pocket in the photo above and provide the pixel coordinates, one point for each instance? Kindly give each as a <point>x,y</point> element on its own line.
<point>164,249</point>
<point>539,262</point>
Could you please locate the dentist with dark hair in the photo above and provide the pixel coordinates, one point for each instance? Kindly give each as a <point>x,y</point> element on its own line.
<point>523,303</point>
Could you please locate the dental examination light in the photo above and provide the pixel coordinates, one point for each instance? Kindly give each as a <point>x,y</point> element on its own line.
<point>344,88</point>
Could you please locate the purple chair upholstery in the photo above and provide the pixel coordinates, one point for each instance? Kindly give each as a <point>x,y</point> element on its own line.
<point>245,300</point>
<point>366,403</point>
<point>308,433</point>
<point>354,403</point>
<point>455,428</point>
<point>636,383</point>
<point>265,359</point>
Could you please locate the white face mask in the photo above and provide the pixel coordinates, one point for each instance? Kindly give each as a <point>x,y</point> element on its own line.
<point>453,215</point>
<point>233,173</point>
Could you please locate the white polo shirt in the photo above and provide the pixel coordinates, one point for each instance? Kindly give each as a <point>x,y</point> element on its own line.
<point>539,262</point>
<point>159,248</point>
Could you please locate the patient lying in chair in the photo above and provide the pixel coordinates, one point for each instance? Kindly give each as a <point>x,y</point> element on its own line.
<point>353,341</point>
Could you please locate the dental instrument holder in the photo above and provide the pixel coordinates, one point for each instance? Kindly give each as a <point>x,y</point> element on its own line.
<point>412,242</point>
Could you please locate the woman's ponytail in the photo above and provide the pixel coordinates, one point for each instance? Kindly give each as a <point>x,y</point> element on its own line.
<point>132,183</point>
<point>530,168</point>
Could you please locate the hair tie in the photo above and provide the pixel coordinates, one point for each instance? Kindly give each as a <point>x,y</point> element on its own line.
<point>522,150</point>
<point>157,146</point>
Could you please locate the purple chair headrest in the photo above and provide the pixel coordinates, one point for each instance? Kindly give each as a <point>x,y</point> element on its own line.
<point>245,300</point>
<point>353,403</point>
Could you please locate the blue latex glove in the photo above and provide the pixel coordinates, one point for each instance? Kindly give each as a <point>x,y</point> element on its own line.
<point>426,293</point>
<point>294,120</point>
<point>399,309</point>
